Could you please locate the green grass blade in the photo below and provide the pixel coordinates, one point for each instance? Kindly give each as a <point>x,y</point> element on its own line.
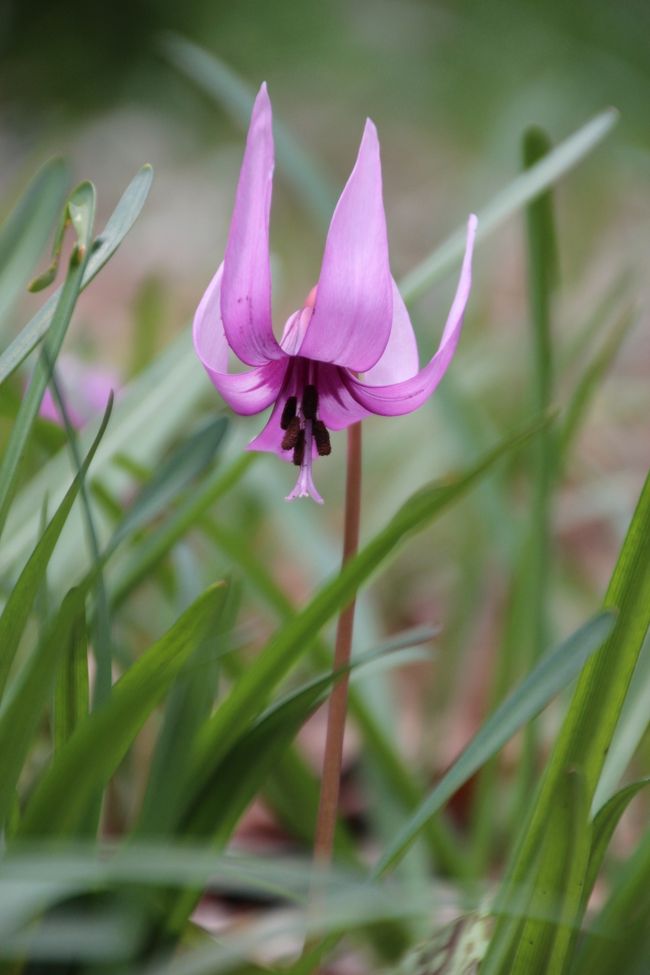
<point>248,697</point>
<point>630,731</point>
<point>71,688</point>
<point>119,224</point>
<point>604,824</point>
<point>548,678</point>
<point>188,461</point>
<point>232,782</point>
<point>533,638</point>
<point>188,707</point>
<point>152,411</point>
<point>547,932</point>
<point>18,606</point>
<point>81,207</point>
<point>378,743</point>
<point>149,553</point>
<point>102,641</point>
<point>590,381</point>
<point>524,188</point>
<point>91,756</point>
<point>587,730</point>
<point>26,230</point>
<point>221,83</point>
<point>619,938</point>
<point>22,708</point>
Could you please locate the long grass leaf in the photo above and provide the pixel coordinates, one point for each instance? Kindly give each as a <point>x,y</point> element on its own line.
<point>25,232</point>
<point>18,606</point>
<point>118,226</point>
<point>59,802</point>
<point>81,207</point>
<point>549,677</point>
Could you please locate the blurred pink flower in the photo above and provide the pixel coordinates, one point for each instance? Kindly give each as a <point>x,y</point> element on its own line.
<point>354,321</point>
<point>85,389</point>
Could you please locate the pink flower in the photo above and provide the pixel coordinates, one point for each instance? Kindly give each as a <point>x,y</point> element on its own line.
<point>85,389</point>
<point>350,350</point>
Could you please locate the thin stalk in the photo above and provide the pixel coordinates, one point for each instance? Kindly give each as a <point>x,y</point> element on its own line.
<point>338,702</point>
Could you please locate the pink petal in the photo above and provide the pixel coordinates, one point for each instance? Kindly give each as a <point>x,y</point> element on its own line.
<point>246,291</point>
<point>246,392</point>
<point>400,357</point>
<point>352,315</point>
<point>337,408</point>
<point>406,396</point>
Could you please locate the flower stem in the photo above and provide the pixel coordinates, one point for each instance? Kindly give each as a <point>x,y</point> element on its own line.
<point>338,702</point>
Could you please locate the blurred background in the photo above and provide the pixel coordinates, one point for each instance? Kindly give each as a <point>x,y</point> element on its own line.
<point>451,87</point>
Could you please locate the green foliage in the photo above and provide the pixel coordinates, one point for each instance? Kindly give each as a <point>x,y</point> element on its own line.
<point>164,742</point>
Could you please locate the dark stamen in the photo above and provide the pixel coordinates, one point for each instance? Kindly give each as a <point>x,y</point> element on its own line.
<point>322,438</point>
<point>290,438</point>
<point>299,449</point>
<point>288,412</point>
<point>310,402</point>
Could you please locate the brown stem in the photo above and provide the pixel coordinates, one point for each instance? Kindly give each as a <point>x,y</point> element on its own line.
<point>338,702</point>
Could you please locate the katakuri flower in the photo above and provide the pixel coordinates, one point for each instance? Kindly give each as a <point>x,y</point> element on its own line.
<point>350,351</point>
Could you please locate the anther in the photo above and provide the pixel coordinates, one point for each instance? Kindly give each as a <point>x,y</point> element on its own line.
<point>288,413</point>
<point>310,402</point>
<point>322,438</point>
<point>290,438</point>
<point>299,449</point>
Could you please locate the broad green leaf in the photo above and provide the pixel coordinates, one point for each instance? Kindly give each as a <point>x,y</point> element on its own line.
<point>221,83</point>
<point>249,696</point>
<point>119,224</point>
<point>22,707</point>
<point>593,714</point>
<point>603,828</point>
<point>82,203</point>
<point>101,740</point>
<point>18,606</point>
<point>71,700</point>
<point>184,464</point>
<point>547,679</point>
<point>25,232</point>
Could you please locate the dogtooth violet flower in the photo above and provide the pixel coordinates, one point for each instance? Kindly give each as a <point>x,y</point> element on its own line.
<point>350,351</point>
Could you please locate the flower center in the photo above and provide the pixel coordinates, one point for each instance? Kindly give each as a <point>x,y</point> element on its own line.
<point>303,429</point>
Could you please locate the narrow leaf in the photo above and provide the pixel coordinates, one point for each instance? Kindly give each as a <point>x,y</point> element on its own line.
<point>25,232</point>
<point>549,677</point>
<point>83,200</point>
<point>100,742</point>
<point>18,606</point>
<point>119,224</point>
<point>22,709</point>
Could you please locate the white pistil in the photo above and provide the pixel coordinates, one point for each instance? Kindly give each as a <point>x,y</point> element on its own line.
<point>305,487</point>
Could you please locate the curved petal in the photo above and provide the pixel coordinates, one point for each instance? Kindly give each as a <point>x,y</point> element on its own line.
<point>408,395</point>
<point>246,291</point>
<point>352,315</point>
<point>246,392</point>
<point>399,359</point>
<point>337,408</point>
